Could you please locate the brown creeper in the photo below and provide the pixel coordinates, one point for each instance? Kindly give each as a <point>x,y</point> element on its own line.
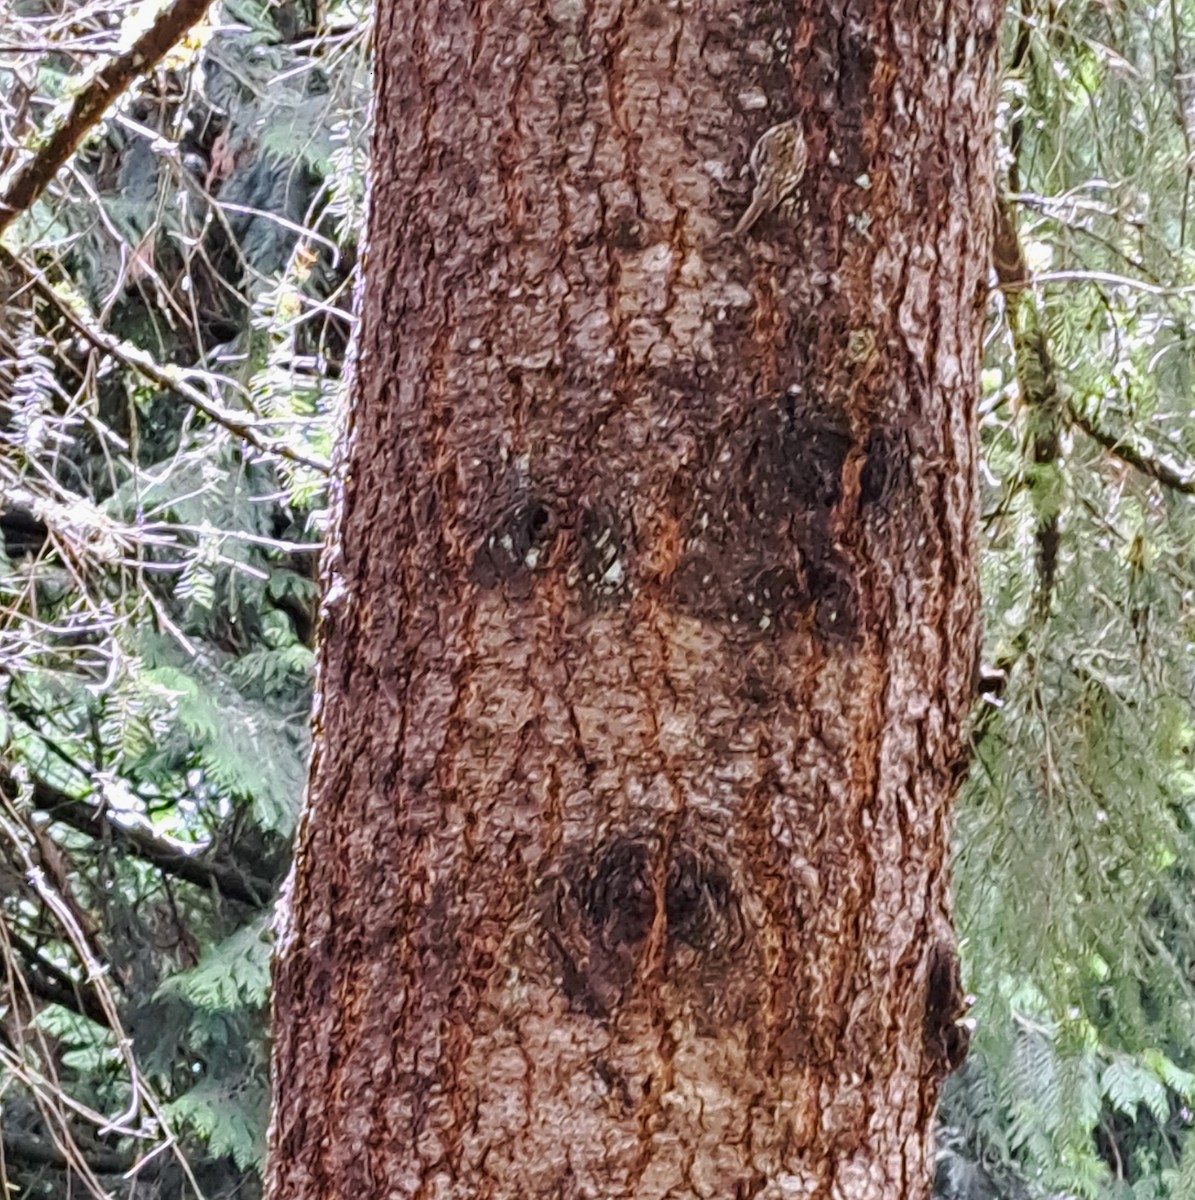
<point>777,162</point>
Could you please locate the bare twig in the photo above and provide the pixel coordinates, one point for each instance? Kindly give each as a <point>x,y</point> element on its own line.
<point>50,982</point>
<point>88,819</point>
<point>63,47</point>
<point>143,1103</point>
<point>1124,449</point>
<point>164,377</point>
<point>36,1152</point>
<point>1111,279</point>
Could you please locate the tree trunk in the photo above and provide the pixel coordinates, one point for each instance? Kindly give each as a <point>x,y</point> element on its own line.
<point>651,612</point>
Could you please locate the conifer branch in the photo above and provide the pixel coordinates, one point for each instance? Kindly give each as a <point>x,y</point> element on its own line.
<point>1123,449</point>
<point>91,820</point>
<point>1038,383</point>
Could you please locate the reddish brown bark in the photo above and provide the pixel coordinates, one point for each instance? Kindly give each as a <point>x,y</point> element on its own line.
<point>651,612</point>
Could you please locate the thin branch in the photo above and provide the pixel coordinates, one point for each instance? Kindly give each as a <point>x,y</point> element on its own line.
<point>35,1152</point>
<point>95,95</point>
<point>1111,279</point>
<point>143,1102</point>
<point>50,982</point>
<point>88,819</point>
<point>55,48</point>
<point>1134,456</point>
<point>165,377</point>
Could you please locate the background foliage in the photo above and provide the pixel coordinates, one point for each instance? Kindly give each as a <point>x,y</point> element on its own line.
<point>1075,837</point>
<point>172,339</point>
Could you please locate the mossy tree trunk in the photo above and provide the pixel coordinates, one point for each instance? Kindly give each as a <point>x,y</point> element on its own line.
<point>651,612</point>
